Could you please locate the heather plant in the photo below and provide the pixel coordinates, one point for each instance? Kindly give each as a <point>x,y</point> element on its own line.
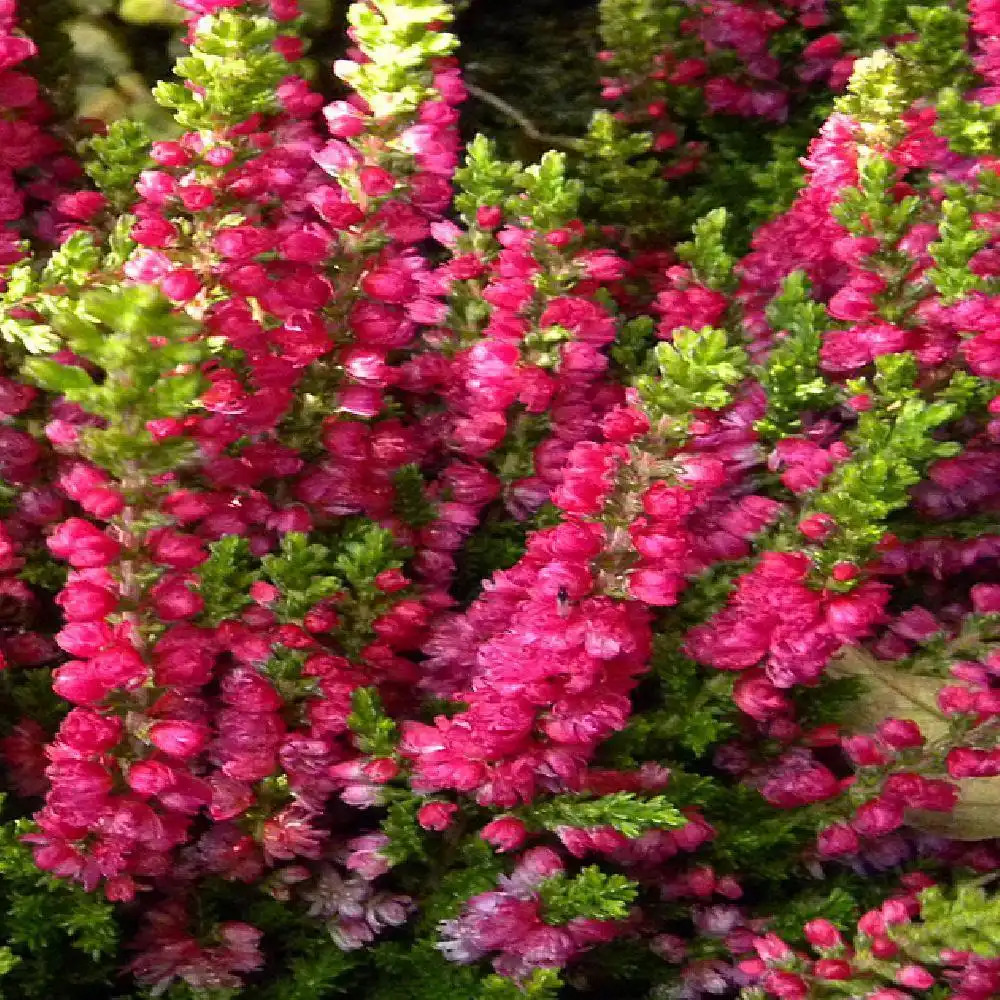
<point>424,573</point>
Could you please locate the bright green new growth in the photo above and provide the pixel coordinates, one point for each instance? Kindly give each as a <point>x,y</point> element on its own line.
<point>591,893</point>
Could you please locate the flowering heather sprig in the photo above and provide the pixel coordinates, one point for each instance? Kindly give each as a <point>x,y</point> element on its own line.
<point>727,93</point>
<point>38,176</point>
<point>534,919</point>
<point>923,938</point>
<point>528,330</point>
<point>121,590</point>
<point>726,664</point>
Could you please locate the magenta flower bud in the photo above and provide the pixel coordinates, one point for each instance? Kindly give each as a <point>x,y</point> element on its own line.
<point>436,815</point>
<point>219,156</point>
<point>82,545</point>
<point>247,690</point>
<point>837,840</point>
<point>84,638</point>
<point>174,598</point>
<point>655,587</point>
<point>489,216</point>
<point>88,732</point>
<point>759,698</point>
<point>85,602</point>
<point>150,777</point>
<point>155,186</point>
<point>822,934</point>
<point>179,738</point>
<point>169,154</point>
<point>242,243</point>
<point>915,977</point>
<point>81,205</point>
<point>877,818</point>
<point>79,684</point>
<point>172,548</point>
<point>785,985</point>
<point>897,911</point>
<point>181,284</point>
<point>986,598</point>
<point>507,833</point>
<point>900,734</point>
<point>154,233</point>
<point>771,948</point>
<point>577,842</point>
<point>103,502</point>
<point>375,181</point>
<point>380,770</point>
<point>969,762</point>
<point>884,948</point>
<point>816,527</point>
<point>955,700</point>
<point>872,923</point>
<point>833,968</point>
<point>862,750</point>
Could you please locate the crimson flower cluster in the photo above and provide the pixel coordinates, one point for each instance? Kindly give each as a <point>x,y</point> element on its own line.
<point>282,378</point>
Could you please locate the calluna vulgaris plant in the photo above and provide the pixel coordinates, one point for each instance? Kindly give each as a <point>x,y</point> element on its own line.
<point>423,574</point>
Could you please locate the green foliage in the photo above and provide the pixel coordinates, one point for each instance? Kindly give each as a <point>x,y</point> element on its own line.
<point>147,355</point>
<point>635,30</point>
<point>829,702</point>
<point>320,971</point>
<point>474,869</point>
<point>622,184</point>
<point>56,937</point>
<point>691,713</point>
<point>938,56</point>
<point>224,579</point>
<point>543,192</point>
<point>484,180</point>
<point>695,371</point>
<point>305,964</point>
<point>497,544</point>
<point>117,158</point>
<point>791,376</point>
<point>548,196</point>
<point>763,844</point>
<point>68,269</point>
<point>632,346</point>
<point>685,709</point>
<point>706,251</point>
<point>965,918</point>
<point>870,208</point>
<point>620,810</point>
<point>70,266</point>
<point>777,181</point>
<point>591,893</point>
<point>542,984</point>
<point>841,898</point>
<point>235,68</point>
<point>396,77</point>
<point>878,93</point>
<point>893,443</point>
<point>406,837</point>
<point>959,242</point>
<point>971,128</point>
<point>28,694</point>
<point>412,503</point>
<point>420,972</point>
<point>374,732</point>
<point>363,551</point>
<point>302,572</point>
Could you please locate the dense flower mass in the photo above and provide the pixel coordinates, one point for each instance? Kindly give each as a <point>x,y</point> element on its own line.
<point>424,574</point>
